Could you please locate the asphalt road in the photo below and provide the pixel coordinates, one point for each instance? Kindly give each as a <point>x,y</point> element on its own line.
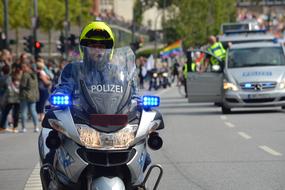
<point>203,149</point>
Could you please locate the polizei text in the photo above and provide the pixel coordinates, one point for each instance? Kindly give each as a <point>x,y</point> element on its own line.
<point>107,88</point>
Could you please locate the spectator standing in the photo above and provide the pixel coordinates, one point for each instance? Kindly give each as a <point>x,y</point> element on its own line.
<point>44,85</point>
<point>6,59</point>
<point>12,101</point>
<point>29,95</point>
<point>142,72</point>
<point>16,66</point>
<point>4,77</point>
<point>5,70</point>
<point>175,71</point>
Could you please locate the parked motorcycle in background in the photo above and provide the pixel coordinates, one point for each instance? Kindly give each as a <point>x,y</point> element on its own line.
<point>105,148</point>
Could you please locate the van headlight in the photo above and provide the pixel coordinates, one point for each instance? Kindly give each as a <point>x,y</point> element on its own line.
<point>282,84</point>
<point>121,139</point>
<point>230,86</point>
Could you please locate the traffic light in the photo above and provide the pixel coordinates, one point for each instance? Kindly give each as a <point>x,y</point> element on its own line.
<point>38,46</point>
<point>60,44</point>
<point>29,44</point>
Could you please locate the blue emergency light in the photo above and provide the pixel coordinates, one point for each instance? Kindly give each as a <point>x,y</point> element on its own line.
<point>247,85</point>
<point>60,100</point>
<point>150,101</point>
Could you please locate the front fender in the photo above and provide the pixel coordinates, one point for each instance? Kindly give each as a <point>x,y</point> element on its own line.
<point>107,183</point>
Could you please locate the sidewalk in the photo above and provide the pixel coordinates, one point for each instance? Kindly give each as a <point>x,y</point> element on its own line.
<point>29,127</point>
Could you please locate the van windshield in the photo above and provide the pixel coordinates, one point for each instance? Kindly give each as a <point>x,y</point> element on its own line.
<point>254,57</point>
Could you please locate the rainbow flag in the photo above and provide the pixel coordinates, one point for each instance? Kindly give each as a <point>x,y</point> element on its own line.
<point>172,50</point>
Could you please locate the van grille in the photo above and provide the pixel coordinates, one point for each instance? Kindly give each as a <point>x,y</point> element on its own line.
<point>261,100</point>
<point>257,86</point>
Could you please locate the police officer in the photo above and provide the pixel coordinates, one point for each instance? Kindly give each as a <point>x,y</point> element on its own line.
<point>216,48</point>
<point>97,43</point>
<point>95,39</point>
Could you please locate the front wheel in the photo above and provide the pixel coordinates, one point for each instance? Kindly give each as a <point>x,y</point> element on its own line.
<point>226,110</point>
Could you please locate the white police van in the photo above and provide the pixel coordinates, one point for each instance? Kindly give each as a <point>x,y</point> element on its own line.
<point>253,76</point>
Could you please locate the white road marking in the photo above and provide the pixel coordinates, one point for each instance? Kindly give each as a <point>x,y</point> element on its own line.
<point>34,181</point>
<point>244,135</point>
<point>223,117</point>
<point>230,125</point>
<point>161,92</point>
<point>270,150</point>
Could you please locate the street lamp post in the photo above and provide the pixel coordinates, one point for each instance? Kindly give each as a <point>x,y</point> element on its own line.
<point>35,25</point>
<point>6,19</point>
<point>155,39</point>
<point>66,28</point>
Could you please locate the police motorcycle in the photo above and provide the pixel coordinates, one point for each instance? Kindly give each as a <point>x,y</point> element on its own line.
<point>98,138</point>
<point>154,80</point>
<point>164,79</point>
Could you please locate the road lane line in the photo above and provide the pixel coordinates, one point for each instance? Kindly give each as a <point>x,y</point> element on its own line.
<point>230,125</point>
<point>244,135</point>
<point>34,181</point>
<point>223,117</point>
<point>270,150</point>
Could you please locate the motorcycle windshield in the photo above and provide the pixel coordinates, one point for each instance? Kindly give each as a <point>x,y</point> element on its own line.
<point>106,79</point>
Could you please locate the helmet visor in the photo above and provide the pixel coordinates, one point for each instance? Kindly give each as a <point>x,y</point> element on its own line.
<point>101,37</point>
<point>95,57</point>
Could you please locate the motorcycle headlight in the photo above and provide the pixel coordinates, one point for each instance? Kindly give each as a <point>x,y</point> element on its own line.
<point>165,74</point>
<point>230,86</point>
<point>121,139</point>
<point>282,84</point>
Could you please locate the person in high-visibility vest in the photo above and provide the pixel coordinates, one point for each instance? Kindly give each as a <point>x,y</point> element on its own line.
<point>216,48</point>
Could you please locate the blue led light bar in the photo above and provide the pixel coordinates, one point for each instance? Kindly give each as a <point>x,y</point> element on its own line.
<point>60,100</point>
<point>150,101</point>
<point>247,85</point>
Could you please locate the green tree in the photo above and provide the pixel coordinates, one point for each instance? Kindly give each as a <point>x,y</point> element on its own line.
<point>19,17</point>
<point>138,9</point>
<point>1,15</point>
<point>164,3</point>
<point>51,17</point>
<point>80,12</point>
<point>195,20</point>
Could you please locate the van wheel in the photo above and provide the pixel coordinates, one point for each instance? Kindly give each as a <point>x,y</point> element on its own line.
<point>226,110</point>
<point>283,107</point>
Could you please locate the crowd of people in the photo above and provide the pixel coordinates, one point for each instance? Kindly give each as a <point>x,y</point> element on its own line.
<point>271,20</point>
<point>25,85</point>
